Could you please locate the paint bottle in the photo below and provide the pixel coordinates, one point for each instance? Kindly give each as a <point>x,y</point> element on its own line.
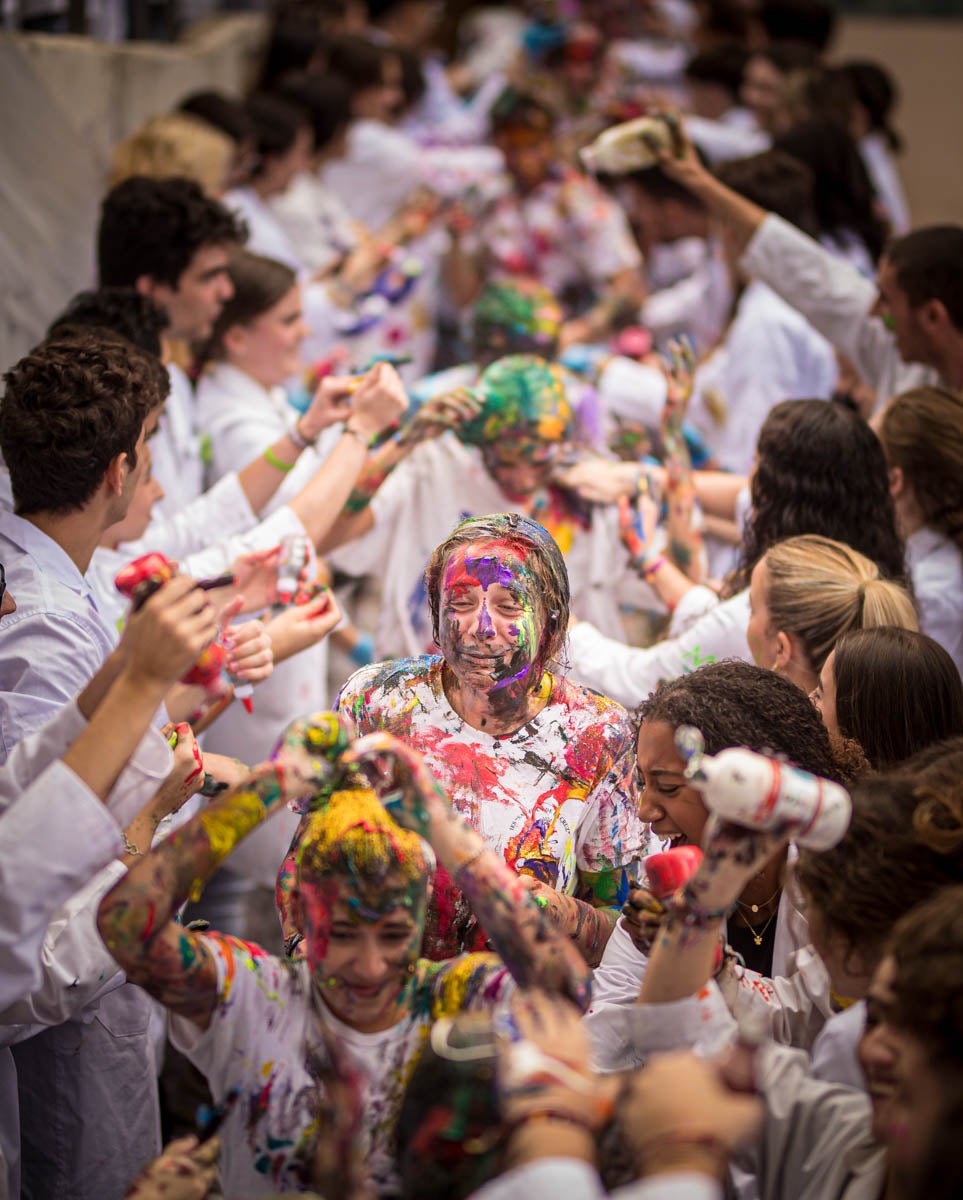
<point>665,873</point>
<point>295,556</point>
<point>632,145</point>
<point>761,793</point>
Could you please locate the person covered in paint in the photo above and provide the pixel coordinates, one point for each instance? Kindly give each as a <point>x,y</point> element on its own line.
<point>289,1036</point>
<point>541,767</point>
<point>495,454</point>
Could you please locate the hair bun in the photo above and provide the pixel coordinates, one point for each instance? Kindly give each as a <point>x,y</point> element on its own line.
<point>938,819</point>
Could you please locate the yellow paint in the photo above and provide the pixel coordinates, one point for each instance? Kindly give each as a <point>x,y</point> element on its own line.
<point>226,827</point>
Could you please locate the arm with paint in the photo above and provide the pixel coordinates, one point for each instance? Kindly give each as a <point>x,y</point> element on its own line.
<point>136,918</point>
<point>685,542</point>
<point>520,928</point>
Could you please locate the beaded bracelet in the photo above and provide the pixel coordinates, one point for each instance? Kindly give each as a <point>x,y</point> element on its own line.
<point>346,428</point>
<point>296,436</point>
<point>272,458</point>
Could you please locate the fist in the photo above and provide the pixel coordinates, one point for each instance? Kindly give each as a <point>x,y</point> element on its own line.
<point>309,752</point>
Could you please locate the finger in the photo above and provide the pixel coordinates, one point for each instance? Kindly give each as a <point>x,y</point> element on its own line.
<point>182,1145</point>
<point>230,611</point>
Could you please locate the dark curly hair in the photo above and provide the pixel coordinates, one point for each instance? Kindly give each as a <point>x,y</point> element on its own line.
<point>821,469</point>
<point>537,548</point>
<point>155,227</point>
<point>904,842</point>
<point>70,407</point>
<point>733,703</point>
<point>124,310</point>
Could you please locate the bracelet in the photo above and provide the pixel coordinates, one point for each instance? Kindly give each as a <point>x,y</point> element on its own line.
<point>272,458</point>
<point>346,428</point>
<point>653,567</point>
<point>692,913</point>
<point>296,436</point>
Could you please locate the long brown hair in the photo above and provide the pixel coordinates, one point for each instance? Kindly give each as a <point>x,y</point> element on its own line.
<point>922,434</point>
<point>259,283</point>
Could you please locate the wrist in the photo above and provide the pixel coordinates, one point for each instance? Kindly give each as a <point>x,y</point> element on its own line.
<point>356,429</point>
<point>142,687</point>
<point>300,436</point>
<point>550,1135</point>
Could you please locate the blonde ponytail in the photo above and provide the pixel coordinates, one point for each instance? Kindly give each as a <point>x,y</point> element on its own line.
<point>820,589</point>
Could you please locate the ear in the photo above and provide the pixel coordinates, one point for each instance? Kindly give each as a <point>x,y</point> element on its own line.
<point>786,647</point>
<point>897,481</point>
<point>146,285</point>
<point>235,340</point>
<point>933,315</point>
<point>117,471</point>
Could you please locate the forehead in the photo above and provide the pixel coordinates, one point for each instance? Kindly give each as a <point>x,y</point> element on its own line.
<point>488,563</point>
<point>657,748</point>
<point>388,904</point>
<point>211,259</point>
<point>520,449</point>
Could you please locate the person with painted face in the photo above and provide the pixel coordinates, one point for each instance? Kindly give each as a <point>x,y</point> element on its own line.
<point>492,448</point>
<point>361,1002</point>
<point>541,767</point>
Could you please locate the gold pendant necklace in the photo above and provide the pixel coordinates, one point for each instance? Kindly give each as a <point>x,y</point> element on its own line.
<point>758,936</point>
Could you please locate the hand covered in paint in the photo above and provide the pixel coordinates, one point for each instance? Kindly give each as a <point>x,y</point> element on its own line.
<point>679,371</point>
<point>401,779</point>
<point>733,855</point>
<point>642,914</point>
<point>440,414</point>
<point>250,653</point>
<point>309,753</point>
<point>637,525</point>
<point>187,776</point>
<point>679,1113</point>
<point>166,635</point>
<point>378,402</point>
<point>303,625</point>
<point>562,908</point>
<point>184,1170</point>
<point>545,1066</point>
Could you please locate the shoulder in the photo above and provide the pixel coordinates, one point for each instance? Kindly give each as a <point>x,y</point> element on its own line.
<point>384,682</point>
<point>249,977</point>
<point>590,709</point>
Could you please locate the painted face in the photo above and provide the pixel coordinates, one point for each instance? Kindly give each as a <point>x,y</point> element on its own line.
<point>824,696</point>
<point>668,801</point>
<point>202,291</point>
<point>894,309</point>
<point>362,947</point>
<point>491,620</point>
<point>762,638</point>
<point>521,466</point>
<point>269,348</point>
<point>902,1083</point>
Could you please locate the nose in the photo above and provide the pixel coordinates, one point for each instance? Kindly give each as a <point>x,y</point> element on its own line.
<point>226,289</point>
<point>369,966</point>
<point>649,810</point>
<point>483,626</point>
<point>876,1049</point>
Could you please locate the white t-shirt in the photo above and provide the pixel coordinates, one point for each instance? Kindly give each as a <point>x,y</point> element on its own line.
<point>265,1027</point>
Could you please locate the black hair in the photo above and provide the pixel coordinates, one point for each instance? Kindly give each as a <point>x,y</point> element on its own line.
<point>658,186</point>
<point>821,469</point>
<point>897,692</point>
<point>124,310</point>
<point>325,98</point>
<point>413,82</point>
<point>735,703</point>
<point>776,182</point>
<point>808,21</point>
<point>515,109</point>
<point>843,197</point>
<point>722,65</point>
<point>294,43</point>
<point>154,227</point>
<point>929,266</point>
<point>359,61</point>
<point>223,112</point>
<point>789,56</point>
<point>874,89</point>
<point>277,123</point>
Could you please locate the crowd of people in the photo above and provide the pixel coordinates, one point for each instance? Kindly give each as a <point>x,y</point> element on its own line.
<point>482,574</point>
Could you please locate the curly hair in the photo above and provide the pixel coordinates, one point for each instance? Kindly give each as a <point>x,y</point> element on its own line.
<point>154,227</point>
<point>70,407</point>
<point>922,433</point>
<point>540,553</point>
<point>821,469</point>
<point>904,842</point>
<point>124,310</point>
<point>733,703</point>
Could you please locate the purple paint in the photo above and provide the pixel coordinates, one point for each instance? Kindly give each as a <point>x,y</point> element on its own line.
<point>489,570</point>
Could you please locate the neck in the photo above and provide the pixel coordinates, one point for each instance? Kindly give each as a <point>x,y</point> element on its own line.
<point>909,515</point>
<point>263,188</point>
<point>500,710</point>
<point>764,889</point>
<point>75,533</point>
<point>948,362</point>
<point>262,383</point>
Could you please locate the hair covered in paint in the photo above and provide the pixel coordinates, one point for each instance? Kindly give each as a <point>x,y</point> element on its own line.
<point>515,316</point>
<point>354,840</point>
<point>522,395</point>
<point>538,555</point>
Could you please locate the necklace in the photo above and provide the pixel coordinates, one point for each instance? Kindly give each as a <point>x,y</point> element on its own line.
<point>758,935</point>
<point>765,904</point>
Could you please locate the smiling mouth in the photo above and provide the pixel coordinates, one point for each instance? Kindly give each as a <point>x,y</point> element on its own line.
<point>674,839</point>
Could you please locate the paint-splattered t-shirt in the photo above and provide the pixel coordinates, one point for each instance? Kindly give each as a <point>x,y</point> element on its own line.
<point>265,1030</point>
<point>556,797</point>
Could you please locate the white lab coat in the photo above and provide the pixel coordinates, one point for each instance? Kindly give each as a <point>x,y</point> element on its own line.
<point>629,674</point>
<point>935,565</point>
<point>884,174</point>
<point>176,447</point>
<point>549,1178</point>
<point>769,354</point>
<point>835,299</point>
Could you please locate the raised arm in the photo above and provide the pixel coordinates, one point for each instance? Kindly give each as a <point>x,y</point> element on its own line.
<point>521,930</point>
<point>137,917</point>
